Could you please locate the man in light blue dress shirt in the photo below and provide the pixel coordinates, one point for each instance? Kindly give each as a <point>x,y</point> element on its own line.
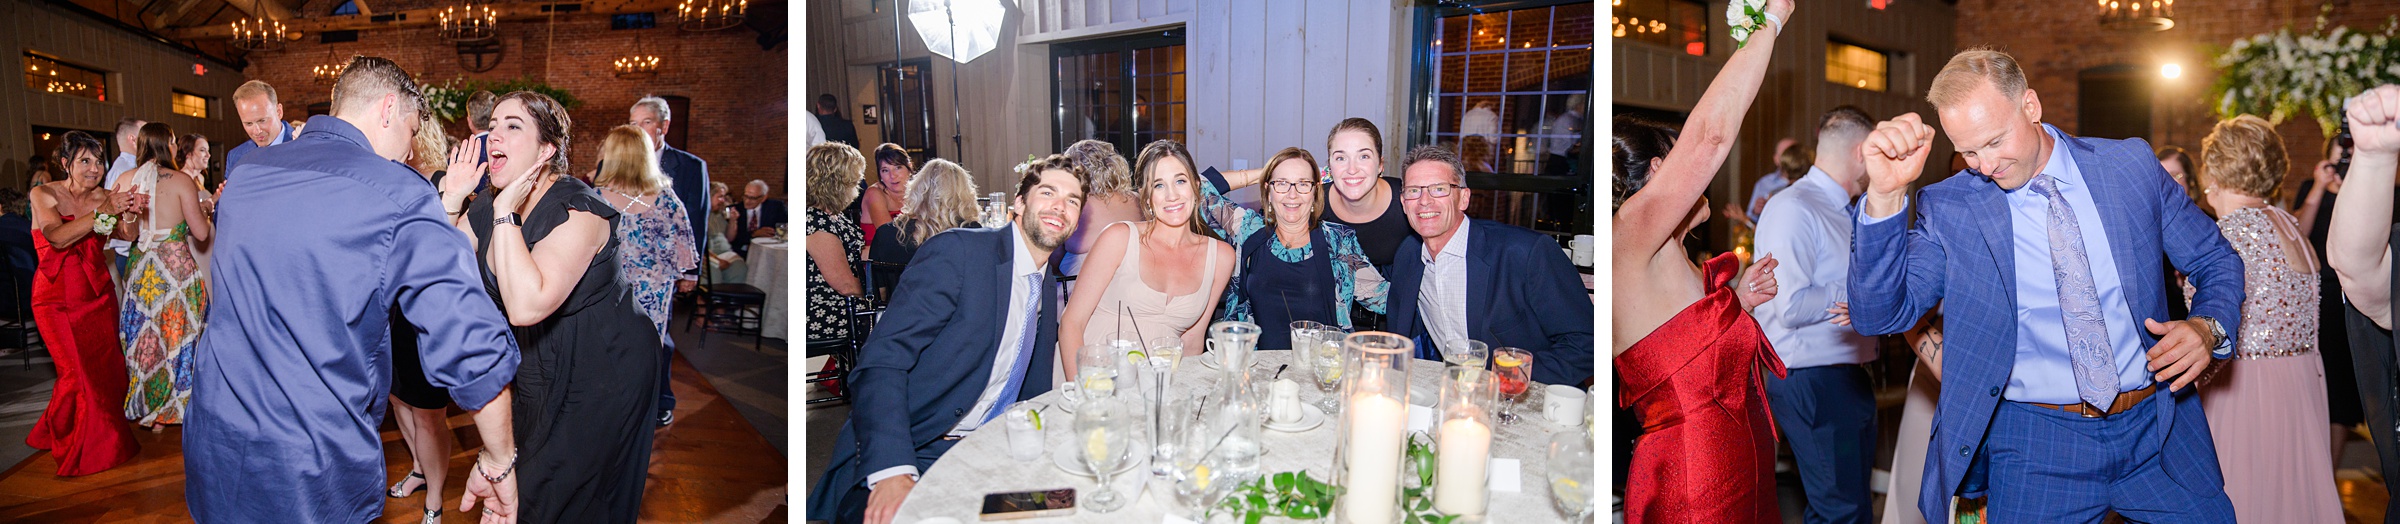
<point>1826,407</point>
<point>2066,388</point>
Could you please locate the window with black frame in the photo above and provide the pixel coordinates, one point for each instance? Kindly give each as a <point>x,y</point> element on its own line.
<point>908,108</point>
<point>46,75</point>
<point>1127,91</point>
<point>1510,91</point>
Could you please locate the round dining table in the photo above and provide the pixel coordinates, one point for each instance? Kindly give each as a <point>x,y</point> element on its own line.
<point>953,490</point>
<point>768,268</point>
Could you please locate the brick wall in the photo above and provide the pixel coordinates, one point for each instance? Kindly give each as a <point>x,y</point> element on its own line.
<point>2055,39</point>
<point>739,108</point>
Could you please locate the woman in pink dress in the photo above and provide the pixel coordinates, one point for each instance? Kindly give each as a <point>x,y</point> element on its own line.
<point>2266,407</point>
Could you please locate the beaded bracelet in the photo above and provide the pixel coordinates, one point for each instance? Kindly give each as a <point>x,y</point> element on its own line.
<point>512,468</point>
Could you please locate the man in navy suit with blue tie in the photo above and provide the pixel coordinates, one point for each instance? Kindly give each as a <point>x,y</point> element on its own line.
<point>1499,284</point>
<point>971,329</point>
<point>2066,390</point>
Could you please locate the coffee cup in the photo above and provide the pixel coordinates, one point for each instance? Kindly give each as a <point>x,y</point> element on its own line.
<point>1563,404</point>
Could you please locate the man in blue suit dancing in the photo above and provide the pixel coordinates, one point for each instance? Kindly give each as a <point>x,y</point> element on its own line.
<point>2065,391</point>
<point>970,330</point>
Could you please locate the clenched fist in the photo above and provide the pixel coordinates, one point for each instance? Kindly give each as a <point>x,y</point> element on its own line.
<point>1895,155</point>
<point>2372,116</point>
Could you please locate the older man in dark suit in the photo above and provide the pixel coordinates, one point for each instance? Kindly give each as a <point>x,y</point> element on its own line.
<point>1471,279</point>
<point>758,216</point>
<point>970,330</point>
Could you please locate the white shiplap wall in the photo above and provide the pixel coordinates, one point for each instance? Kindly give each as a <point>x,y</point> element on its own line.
<point>1260,74</point>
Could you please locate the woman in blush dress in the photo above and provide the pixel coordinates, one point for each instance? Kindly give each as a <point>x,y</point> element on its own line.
<point>1161,277</point>
<point>2266,406</point>
<point>75,306</point>
<point>1687,352</point>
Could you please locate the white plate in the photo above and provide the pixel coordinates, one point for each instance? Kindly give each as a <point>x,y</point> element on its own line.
<point>1073,464</point>
<point>1310,418</point>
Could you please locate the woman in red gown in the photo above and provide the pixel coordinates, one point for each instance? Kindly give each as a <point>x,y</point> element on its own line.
<point>75,306</point>
<point>1687,353</point>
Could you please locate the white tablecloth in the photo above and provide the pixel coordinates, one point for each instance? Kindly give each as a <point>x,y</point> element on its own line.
<point>980,463</point>
<point>768,270</point>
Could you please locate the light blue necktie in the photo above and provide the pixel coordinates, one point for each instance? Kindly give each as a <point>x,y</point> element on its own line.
<point>2079,301</point>
<point>1024,345</point>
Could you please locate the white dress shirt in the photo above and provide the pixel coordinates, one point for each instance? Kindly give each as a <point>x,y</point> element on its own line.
<point>1442,294</point>
<point>123,164</point>
<point>1807,228</point>
<point>1020,288</point>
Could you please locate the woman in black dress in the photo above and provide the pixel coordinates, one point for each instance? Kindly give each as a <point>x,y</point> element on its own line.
<point>548,247</point>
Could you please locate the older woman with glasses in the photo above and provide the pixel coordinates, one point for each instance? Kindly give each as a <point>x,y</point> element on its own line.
<point>1309,268</point>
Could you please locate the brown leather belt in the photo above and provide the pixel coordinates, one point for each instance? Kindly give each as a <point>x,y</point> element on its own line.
<point>2125,401</point>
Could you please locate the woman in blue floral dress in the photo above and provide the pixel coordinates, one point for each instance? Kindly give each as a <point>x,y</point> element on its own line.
<point>654,235</point>
<point>1294,265</point>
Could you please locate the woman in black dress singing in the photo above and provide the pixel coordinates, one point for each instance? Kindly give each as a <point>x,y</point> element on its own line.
<point>548,249</point>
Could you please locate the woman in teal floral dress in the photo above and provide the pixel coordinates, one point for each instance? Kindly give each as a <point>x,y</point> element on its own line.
<point>1301,267</point>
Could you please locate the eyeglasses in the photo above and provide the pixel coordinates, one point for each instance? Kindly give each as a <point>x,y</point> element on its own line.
<point>1438,191</point>
<point>1283,187</point>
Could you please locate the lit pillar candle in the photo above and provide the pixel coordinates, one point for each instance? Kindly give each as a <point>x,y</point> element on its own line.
<point>1379,426</point>
<point>1458,483</point>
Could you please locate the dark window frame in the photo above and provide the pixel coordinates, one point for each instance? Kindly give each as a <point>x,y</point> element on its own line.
<point>1129,143</point>
<point>106,78</point>
<point>208,105</point>
<point>1891,59</point>
<point>1424,103</point>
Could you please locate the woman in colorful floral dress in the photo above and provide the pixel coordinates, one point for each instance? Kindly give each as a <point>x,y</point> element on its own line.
<point>165,292</point>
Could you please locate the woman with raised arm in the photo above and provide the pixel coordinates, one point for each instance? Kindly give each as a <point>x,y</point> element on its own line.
<point>1688,354</point>
<point>587,391</point>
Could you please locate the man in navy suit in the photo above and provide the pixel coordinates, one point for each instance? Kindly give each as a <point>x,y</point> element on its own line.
<point>262,120</point>
<point>972,328</point>
<point>690,176</point>
<point>757,216</point>
<point>1502,285</point>
<point>2066,389</point>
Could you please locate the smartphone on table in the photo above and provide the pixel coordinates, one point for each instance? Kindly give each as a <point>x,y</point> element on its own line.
<point>1028,504</point>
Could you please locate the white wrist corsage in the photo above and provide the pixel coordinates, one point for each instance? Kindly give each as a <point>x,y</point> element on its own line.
<point>103,224</point>
<point>1746,17</point>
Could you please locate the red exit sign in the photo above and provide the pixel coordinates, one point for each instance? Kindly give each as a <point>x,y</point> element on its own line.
<point>199,70</point>
<point>1879,4</point>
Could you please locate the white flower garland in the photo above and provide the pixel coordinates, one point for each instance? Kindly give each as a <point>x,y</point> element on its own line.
<point>2280,74</point>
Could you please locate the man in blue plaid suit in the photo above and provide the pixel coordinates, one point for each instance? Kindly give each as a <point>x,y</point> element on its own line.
<point>2066,392</point>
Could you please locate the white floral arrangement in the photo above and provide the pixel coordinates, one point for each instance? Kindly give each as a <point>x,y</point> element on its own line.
<point>446,103</point>
<point>1747,17</point>
<point>2281,74</point>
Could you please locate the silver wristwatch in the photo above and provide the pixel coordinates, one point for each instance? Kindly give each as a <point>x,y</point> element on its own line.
<point>2224,344</point>
<point>509,219</point>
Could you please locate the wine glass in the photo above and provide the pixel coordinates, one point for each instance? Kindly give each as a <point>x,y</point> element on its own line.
<point>1570,474</point>
<point>1465,352</point>
<point>1103,432</point>
<point>1512,371</point>
<point>1324,356</point>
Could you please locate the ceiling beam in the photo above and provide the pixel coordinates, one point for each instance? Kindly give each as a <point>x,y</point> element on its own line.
<point>172,13</point>
<point>270,9</point>
<point>430,16</point>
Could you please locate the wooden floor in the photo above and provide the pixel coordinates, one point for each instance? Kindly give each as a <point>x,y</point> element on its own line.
<point>709,466</point>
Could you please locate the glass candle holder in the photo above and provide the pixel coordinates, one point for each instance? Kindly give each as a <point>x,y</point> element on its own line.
<point>1463,441</point>
<point>1371,445</point>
